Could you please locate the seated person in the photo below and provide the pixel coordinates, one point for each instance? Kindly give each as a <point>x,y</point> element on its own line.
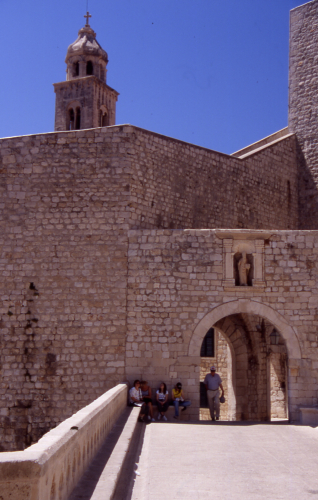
<point>146,396</point>
<point>135,399</point>
<point>162,396</point>
<point>178,399</point>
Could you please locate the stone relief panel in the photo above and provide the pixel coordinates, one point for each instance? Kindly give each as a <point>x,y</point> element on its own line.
<point>243,259</point>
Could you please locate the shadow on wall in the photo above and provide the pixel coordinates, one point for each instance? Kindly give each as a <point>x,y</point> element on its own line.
<point>308,192</point>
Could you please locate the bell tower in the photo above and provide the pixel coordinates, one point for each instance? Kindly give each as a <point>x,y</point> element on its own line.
<point>84,100</point>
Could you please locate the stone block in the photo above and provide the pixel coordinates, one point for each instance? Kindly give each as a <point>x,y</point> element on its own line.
<point>309,416</point>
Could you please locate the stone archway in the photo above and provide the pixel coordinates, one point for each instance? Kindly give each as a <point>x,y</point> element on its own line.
<point>249,307</point>
<point>251,381</point>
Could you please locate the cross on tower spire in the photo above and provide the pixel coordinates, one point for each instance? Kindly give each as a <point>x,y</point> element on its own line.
<point>87,18</point>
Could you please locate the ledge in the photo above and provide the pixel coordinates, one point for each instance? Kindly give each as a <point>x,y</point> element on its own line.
<point>33,473</point>
<point>262,143</point>
<point>244,289</point>
<point>243,234</point>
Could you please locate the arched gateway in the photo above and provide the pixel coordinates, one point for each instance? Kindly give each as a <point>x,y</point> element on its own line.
<point>251,369</point>
<point>249,307</point>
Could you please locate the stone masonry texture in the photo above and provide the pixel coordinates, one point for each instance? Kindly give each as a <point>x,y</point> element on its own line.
<point>89,94</point>
<point>174,281</point>
<point>114,264</point>
<point>303,103</point>
<point>67,202</point>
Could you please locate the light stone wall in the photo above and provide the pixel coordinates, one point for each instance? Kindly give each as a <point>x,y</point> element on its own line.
<point>64,220</point>
<point>67,200</point>
<point>179,185</point>
<point>51,468</point>
<point>175,282</point>
<point>278,383</point>
<point>303,103</point>
<point>85,304</point>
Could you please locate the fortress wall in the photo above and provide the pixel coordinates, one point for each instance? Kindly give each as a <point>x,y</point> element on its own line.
<point>175,280</point>
<point>303,105</point>
<point>67,200</point>
<point>63,239</point>
<point>178,185</point>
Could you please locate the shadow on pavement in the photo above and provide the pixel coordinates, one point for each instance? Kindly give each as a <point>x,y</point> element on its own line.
<point>227,422</point>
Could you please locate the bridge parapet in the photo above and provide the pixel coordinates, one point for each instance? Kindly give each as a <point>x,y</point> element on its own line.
<point>50,469</point>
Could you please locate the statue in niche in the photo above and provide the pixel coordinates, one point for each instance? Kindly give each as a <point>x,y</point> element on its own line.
<point>243,269</point>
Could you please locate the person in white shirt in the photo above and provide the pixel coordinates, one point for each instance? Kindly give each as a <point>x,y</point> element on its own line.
<point>135,399</point>
<point>212,383</point>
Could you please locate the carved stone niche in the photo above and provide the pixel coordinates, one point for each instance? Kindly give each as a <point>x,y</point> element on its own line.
<point>249,246</point>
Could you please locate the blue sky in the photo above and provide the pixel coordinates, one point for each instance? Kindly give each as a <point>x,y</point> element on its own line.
<point>210,72</point>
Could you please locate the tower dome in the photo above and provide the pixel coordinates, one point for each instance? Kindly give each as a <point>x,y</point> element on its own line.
<point>84,100</point>
<point>85,56</point>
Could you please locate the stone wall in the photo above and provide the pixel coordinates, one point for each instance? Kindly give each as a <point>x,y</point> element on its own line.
<point>72,276</point>
<point>179,185</point>
<point>303,103</point>
<point>51,468</point>
<point>175,287</point>
<point>64,221</point>
<point>278,380</point>
<point>67,200</point>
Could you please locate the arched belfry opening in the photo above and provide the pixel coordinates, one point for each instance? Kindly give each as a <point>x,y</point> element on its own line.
<point>78,118</point>
<point>252,348</point>
<point>76,69</point>
<point>70,119</point>
<point>103,117</point>
<point>89,68</point>
<point>73,117</point>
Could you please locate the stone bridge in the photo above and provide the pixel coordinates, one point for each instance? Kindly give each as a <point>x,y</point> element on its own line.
<point>101,452</point>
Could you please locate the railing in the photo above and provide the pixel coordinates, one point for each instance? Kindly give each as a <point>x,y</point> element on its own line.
<point>50,469</point>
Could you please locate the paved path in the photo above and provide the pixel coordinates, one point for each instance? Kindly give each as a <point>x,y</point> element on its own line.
<point>225,461</point>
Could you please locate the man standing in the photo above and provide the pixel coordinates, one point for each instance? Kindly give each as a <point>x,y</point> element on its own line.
<point>212,383</point>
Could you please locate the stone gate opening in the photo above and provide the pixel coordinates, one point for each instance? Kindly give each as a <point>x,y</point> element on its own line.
<point>265,357</point>
<point>251,357</point>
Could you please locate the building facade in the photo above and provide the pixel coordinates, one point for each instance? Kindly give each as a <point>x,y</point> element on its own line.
<point>121,249</point>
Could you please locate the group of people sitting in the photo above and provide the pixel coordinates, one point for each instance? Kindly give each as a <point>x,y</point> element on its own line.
<point>140,395</point>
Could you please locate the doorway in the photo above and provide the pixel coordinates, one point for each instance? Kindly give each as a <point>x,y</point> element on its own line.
<point>250,355</point>
<point>216,351</point>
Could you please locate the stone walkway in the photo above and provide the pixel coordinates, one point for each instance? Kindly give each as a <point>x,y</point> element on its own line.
<point>228,461</point>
